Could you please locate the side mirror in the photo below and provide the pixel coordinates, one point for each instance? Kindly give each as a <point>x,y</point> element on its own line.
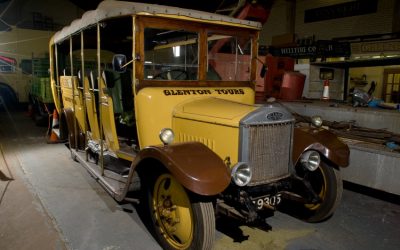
<point>263,71</point>
<point>119,63</point>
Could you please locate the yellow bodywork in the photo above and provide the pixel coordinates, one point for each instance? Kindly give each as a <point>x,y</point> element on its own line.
<point>107,118</point>
<point>68,89</point>
<point>90,102</point>
<point>213,122</point>
<point>54,92</point>
<point>54,88</point>
<point>214,110</point>
<point>207,115</point>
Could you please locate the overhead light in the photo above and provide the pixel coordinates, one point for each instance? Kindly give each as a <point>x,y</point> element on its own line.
<point>177,51</point>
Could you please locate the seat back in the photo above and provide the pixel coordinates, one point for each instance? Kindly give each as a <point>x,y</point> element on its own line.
<point>107,115</point>
<point>91,107</point>
<point>113,82</point>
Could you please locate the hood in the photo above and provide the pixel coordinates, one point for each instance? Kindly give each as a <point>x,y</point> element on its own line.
<point>214,110</point>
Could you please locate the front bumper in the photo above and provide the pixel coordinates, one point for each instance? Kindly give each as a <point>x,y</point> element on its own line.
<point>240,201</point>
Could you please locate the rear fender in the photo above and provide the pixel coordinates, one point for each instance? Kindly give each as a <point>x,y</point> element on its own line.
<point>193,164</point>
<point>323,141</point>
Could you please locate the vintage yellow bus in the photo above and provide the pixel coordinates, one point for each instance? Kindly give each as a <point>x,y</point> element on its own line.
<point>160,100</point>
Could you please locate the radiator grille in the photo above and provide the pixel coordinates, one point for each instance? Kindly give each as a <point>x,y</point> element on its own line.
<point>269,151</point>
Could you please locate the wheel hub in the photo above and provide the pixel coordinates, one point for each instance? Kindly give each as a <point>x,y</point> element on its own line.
<point>172,212</point>
<point>167,214</point>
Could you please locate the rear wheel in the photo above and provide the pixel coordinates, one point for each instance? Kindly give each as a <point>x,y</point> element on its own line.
<point>179,220</point>
<point>327,183</point>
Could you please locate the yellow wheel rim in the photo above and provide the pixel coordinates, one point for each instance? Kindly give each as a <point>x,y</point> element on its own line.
<point>173,212</point>
<point>322,192</point>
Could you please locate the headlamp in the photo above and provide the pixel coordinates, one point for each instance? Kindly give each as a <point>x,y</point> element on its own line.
<point>310,160</point>
<point>241,174</point>
<point>167,136</point>
<point>316,121</point>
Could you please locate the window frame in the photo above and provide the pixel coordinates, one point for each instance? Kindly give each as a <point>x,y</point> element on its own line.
<point>235,35</point>
<point>202,29</point>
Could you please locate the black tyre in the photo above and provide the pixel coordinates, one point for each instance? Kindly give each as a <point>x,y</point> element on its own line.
<point>327,184</point>
<point>178,219</point>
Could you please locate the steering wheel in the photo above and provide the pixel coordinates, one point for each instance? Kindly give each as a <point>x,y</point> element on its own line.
<point>173,74</point>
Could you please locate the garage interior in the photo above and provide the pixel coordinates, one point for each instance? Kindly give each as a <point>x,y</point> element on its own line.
<point>337,59</point>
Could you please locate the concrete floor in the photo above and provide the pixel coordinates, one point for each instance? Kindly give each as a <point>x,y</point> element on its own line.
<point>53,203</point>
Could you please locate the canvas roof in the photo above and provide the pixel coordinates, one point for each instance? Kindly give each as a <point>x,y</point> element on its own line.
<point>109,9</point>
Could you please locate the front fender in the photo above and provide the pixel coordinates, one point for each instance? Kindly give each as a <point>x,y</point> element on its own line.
<point>193,164</point>
<point>323,141</point>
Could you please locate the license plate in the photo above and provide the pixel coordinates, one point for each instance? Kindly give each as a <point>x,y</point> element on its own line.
<point>272,200</point>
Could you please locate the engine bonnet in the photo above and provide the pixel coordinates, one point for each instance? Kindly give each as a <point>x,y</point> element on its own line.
<point>214,110</point>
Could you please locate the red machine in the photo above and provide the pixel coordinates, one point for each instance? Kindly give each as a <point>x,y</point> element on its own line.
<point>270,85</point>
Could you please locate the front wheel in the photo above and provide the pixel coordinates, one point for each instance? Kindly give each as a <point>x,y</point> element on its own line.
<point>327,183</point>
<point>179,220</point>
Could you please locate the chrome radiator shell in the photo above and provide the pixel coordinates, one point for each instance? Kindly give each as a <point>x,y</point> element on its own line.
<point>266,138</point>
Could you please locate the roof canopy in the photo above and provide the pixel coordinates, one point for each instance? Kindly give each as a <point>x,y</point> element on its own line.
<point>109,9</point>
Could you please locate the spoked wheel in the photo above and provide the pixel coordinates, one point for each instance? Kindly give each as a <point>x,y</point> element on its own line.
<point>179,220</point>
<point>327,184</point>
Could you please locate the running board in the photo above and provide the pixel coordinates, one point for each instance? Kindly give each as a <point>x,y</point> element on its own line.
<point>113,183</point>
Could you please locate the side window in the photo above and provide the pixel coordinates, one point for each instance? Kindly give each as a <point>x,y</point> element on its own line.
<point>90,54</point>
<point>170,54</point>
<point>116,38</point>
<point>26,65</point>
<point>76,55</point>
<point>229,57</point>
<point>63,58</point>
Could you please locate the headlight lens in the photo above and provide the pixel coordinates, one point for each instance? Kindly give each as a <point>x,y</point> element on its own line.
<point>310,160</point>
<point>316,121</point>
<point>241,174</point>
<point>167,136</point>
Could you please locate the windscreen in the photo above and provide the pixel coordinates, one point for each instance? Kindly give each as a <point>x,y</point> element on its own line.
<point>229,57</point>
<point>170,54</point>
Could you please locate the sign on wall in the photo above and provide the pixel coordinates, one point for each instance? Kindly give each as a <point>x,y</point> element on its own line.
<point>348,9</point>
<point>377,47</point>
<point>319,49</point>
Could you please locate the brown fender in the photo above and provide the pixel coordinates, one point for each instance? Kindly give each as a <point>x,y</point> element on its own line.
<point>193,164</point>
<point>323,141</point>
